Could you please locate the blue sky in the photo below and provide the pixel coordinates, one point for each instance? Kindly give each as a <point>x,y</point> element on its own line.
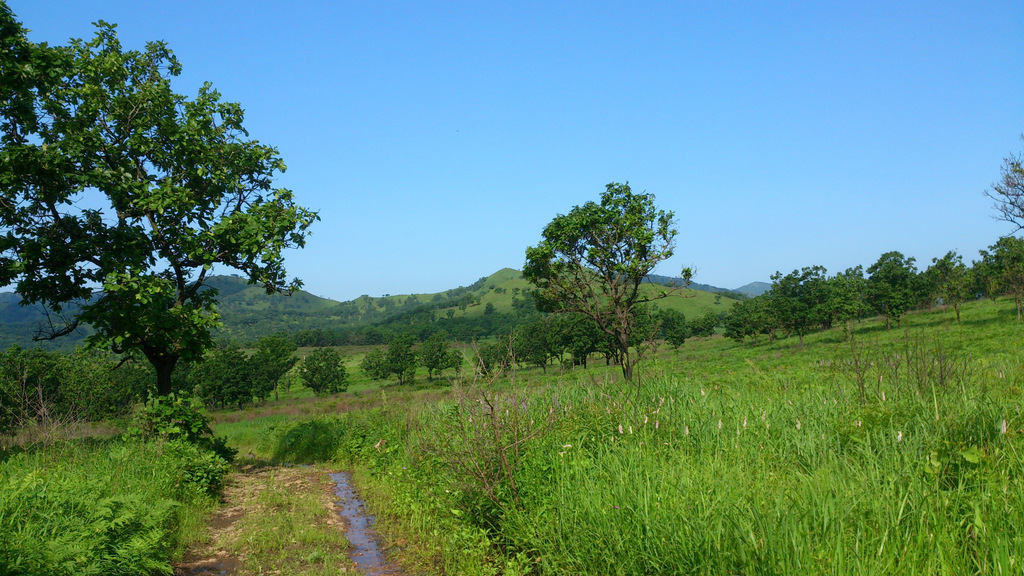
<point>437,139</point>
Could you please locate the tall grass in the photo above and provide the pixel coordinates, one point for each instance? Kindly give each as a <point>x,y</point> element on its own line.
<point>897,453</point>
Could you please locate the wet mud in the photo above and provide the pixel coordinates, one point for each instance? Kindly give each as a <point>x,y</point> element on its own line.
<point>366,551</point>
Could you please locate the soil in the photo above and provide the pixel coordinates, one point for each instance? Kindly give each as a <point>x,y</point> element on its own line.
<point>212,556</point>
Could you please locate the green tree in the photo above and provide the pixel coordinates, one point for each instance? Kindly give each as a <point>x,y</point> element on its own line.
<point>673,327</point>
<point>224,377</point>
<point>845,297</point>
<point>1005,261</point>
<point>110,180</point>
<point>536,342</point>
<point>796,299</point>
<point>494,357</point>
<point>891,286</point>
<point>705,325</point>
<point>375,364</point>
<point>952,280</point>
<point>579,336</point>
<point>323,371</point>
<point>436,354</point>
<point>593,260</point>
<point>749,318</point>
<point>273,358</point>
<point>401,359</point>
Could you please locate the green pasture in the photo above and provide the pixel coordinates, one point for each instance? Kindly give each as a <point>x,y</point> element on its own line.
<point>894,452</point>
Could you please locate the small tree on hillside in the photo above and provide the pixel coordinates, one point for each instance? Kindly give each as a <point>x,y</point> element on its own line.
<point>401,359</point>
<point>846,297</point>
<point>593,260</point>
<point>891,286</point>
<point>1005,261</point>
<point>224,377</point>
<point>375,364</point>
<point>271,361</point>
<point>952,280</point>
<point>436,354</point>
<point>673,326</point>
<point>323,371</point>
<point>796,299</point>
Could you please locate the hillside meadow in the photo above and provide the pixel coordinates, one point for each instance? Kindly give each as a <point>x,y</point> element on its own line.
<point>892,452</point>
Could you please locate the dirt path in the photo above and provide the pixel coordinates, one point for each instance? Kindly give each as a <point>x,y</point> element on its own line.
<point>274,520</point>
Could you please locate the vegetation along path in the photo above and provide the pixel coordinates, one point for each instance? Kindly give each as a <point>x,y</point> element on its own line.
<point>285,520</point>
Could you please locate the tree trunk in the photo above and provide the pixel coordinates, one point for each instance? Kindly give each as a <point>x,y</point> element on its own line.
<point>164,365</point>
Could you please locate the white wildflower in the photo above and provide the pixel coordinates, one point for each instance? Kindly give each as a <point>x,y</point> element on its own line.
<point>719,423</point>
<point>1003,427</point>
<point>620,428</point>
<point>899,436</point>
<point>798,425</point>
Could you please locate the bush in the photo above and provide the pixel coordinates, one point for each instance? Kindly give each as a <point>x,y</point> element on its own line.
<point>179,418</point>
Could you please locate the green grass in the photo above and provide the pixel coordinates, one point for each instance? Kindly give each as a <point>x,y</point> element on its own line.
<point>290,527</point>
<point>897,453</point>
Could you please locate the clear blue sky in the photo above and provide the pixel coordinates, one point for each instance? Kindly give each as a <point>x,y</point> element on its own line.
<point>437,139</point>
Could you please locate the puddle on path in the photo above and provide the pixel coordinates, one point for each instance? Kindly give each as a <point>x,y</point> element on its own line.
<point>366,553</point>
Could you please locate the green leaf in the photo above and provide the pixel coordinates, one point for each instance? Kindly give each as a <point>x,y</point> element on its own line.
<point>972,455</point>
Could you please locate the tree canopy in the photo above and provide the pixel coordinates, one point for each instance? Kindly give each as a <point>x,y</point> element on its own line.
<point>118,193</point>
<point>891,286</point>
<point>593,260</point>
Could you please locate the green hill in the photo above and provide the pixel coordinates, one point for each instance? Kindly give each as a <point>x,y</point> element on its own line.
<point>249,313</point>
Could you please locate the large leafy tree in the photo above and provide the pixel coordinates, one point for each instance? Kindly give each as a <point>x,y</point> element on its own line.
<point>121,194</point>
<point>593,260</point>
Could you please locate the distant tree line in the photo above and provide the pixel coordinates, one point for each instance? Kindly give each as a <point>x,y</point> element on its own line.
<point>808,299</point>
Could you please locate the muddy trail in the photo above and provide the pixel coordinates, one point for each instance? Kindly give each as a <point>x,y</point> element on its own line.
<point>288,520</point>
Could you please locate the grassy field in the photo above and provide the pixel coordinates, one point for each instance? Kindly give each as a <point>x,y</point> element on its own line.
<point>894,452</point>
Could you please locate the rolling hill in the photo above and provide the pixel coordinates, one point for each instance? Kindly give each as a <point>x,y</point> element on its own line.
<point>249,313</point>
